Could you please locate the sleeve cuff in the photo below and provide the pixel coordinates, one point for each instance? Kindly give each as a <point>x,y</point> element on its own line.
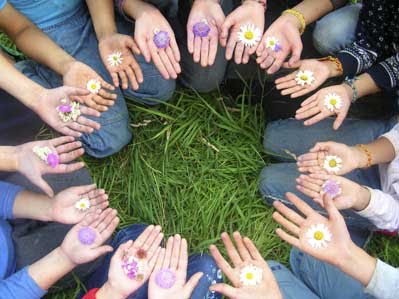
<point>383,76</point>
<point>393,137</point>
<point>385,281</point>
<point>369,211</point>
<point>7,196</point>
<point>31,284</point>
<point>349,63</point>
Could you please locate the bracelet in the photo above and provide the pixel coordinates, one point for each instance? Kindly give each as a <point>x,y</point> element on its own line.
<point>338,63</point>
<point>299,16</point>
<point>368,154</point>
<point>261,2</point>
<point>91,294</point>
<point>351,83</point>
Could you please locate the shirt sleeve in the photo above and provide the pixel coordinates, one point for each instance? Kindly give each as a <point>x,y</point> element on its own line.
<point>393,137</point>
<point>8,193</point>
<point>386,73</point>
<point>385,282</point>
<point>20,285</point>
<point>2,4</point>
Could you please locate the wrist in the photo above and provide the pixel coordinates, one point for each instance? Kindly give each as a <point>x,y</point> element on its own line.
<point>359,156</point>
<point>137,9</point>
<point>108,291</point>
<point>363,199</point>
<point>103,34</point>
<point>64,260</point>
<point>257,3</point>
<point>9,158</point>
<point>68,65</point>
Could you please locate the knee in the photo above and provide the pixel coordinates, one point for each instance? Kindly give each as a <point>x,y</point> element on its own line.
<point>206,264</point>
<point>269,182</point>
<point>130,232</point>
<point>203,80</point>
<point>163,90</point>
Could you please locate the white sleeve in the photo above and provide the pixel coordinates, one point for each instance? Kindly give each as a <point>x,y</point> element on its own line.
<point>393,137</point>
<point>385,282</point>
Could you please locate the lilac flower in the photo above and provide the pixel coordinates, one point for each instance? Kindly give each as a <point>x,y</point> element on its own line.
<point>332,188</point>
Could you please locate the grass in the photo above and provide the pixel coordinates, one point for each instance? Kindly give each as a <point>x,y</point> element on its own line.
<point>193,168</point>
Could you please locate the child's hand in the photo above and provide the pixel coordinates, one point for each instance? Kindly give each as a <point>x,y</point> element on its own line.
<point>116,52</point>
<point>352,195</point>
<point>145,250</point>
<point>314,108</point>
<point>173,262</point>
<point>245,255</point>
<point>352,158</point>
<point>102,226</point>
<point>289,86</point>
<point>78,75</point>
<point>33,168</point>
<point>64,208</point>
<point>204,49</point>
<point>247,13</point>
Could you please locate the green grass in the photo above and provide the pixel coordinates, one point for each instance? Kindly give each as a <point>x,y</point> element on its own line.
<point>193,168</point>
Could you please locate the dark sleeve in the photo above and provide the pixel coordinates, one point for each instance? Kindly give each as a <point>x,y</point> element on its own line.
<point>8,193</point>
<point>386,73</point>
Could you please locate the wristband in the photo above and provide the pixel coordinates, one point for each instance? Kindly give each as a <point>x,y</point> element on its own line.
<point>91,294</point>
<point>338,63</point>
<point>299,16</point>
<point>368,154</point>
<point>351,83</point>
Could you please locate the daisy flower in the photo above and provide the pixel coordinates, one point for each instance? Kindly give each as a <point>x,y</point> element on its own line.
<point>273,43</point>
<point>332,164</point>
<point>249,35</point>
<point>251,275</point>
<point>318,236</point>
<point>333,102</point>
<point>332,188</point>
<point>115,59</point>
<point>83,204</point>
<point>93,86</point>
<point>304,77</point>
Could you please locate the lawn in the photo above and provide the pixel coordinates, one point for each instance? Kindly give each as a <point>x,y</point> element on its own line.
<point>193,168</point>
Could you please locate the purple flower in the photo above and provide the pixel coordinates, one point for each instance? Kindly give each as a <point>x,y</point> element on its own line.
<point>53,160</point>
<point>161,39</point>
<point>165,279</point>
<point>201,29</point>
<point>332,188</point>
<point>130,266</point>
<point>277,48</point>
<point>87,235</point>
<point>65,108</point>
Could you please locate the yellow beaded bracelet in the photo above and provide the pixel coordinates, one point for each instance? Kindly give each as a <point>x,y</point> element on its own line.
<point>368,154</point>
<point>299,16</point>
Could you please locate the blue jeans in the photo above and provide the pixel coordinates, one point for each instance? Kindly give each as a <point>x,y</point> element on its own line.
<point>290,136</point>
<point>196,263</point>
<point>77,37</point>
<point>336,30</point>
<point>313,279</point>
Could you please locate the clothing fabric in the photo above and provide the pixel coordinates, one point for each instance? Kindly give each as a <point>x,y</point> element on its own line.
<point>383,209</point>
<point>196,263</point>
<point>3,3</point>
<point>76,36</point>
<point>375,50</point>
<point>385,282</point>
<point>19,284</point>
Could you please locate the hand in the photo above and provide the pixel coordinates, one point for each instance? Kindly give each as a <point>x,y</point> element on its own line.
<point>46,108</point>
<point>250,12</point>
<point>128,68</point>
<point>315,110</point>
<point>33,168</point>
<point>352,196</point>
<point>166,60</point>
<point>103,225</point>
<point>174,259</point>
<point>204,49</point>
<point>63,205</point>
<point>352,157</point>
<point>119,285</point>
<point>78,74</point>
<point>247,255</point>
<point>289,86</point>
<point>286,30</point>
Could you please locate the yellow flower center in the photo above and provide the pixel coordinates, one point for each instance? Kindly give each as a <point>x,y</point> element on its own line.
<point>93,86</point>
<point>82,205</point>
<point>333,102</point>
<point>332,163</point>
<point>318,236</point>
<point>249,276</point>
<point>272,43</point>
<point>115,58</point>
<point>304,78</point>
<point>249,35</point>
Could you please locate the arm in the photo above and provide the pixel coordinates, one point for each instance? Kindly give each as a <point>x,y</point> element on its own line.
<point>313,10</point>
<point>103,17</point>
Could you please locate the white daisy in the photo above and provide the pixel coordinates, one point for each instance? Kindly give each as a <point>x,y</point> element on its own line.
<point>318,236</point>
<point>333,102</point>
<point>83,204</point>
<point>249,35</point>
<point>332,164</point>
<point>115,59</point>
<point>93,86</point>
<point>272,43</point>
<point>304,77</point>
<point>251,275</point>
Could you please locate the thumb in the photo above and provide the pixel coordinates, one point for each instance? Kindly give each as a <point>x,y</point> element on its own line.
<point>191,284</point>
<point>101,251</point>
<point>133,46</point>
<point>339,120</point>
<point>296,48</point>
<point>331,209</point>
<point>228,23</point>
<point>42,184</point>
<point>224,289</point>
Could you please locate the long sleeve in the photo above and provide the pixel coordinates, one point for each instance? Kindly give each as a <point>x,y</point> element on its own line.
<point>20,285</point>
<point>386,73</point>
<point>8,193</point>
<point>385,282</point>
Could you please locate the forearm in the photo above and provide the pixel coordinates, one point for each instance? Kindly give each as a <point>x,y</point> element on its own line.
<point>313,10</point>
<point>103,17</point>
<point>381,151</point>
<point>107,291</point>
<point>29,205</point>
<point>136,8</point>
<point>8,158</point>
<point>47,271</point>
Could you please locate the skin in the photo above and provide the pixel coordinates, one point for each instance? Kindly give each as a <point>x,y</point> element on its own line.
<point>340,251</point>
<point>243,254</point>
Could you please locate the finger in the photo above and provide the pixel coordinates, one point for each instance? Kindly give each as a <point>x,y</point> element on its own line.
<point>99,100</point>
<point>152,238</point>
<point>339,120</point>
<point>174,262</point>
<point>288,225</point>
<point>173,61</point>
<point>157,61</point>
<point>197,49</point>
<point>331,209</point>
<point>68,132</point>
<point>168,65</point>
<point>66,168</point>
<point>224,289</point>
<point>154,258</point>
<point>231,44</point>
<point>100,251</point>
<point>175,48</point>
<point>115,78</point>
<point>168,254</point>
<point>253,250</point>
<point>307,107</point>
<point>75,91</point>
<point>288,213</point>
<point>132,78</point>
<point>322,177</point>
<point>155,245</point>
<point>192,284</point>
<point>315,119</point>
<point>223,264</point>
<point>68,147</point>
<point>71,156</point>
<point>288,238</point>
<point>107,221</point>
<point>303,92</point>
<point>307,157</point>
<point>138,243</point>
<point>268,62</point>
<point>81,190</point>
<point>281,56</point>
<point>183,259</point>
<point>145,50</point>
<point>101,217</point>
<point>204,52</point>
<point>303,207</point>
<point>309,185</point>
<point>89,111</point>
<point>137,71</point>
<point>286,85</point>
<point>190,38</point>
<point>89,219</point>
<point>286,79</point>
<point>122,249</point>
<point>231,250</point>
<point>309,113</point>
<point>292,90</point>
<point>213,48</point>
<point>80,128</point>
<point>312,194</point>
<point>42,184</point>
<point>133,46</point>
<point>124,79</point>
<point>317,182</point>
<point>309,100</point>
<point>228,22</point>
<point>109,230</point>
<point>159,261</point>
<point>296,49</point>
<point>95,193</point>
<point>106,85</point>
<point>245,255</point>
<point>61,140</point>
<point>246,55</point>
<point>239,51</point>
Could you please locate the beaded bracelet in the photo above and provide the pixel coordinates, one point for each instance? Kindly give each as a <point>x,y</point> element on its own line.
<point>368,154</point>
<point>299,16</point>
<point>351,83</point>
<point>338,63</point>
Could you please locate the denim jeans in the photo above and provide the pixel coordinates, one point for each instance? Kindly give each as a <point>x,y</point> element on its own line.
<point>196,263</point>
<point>77,37</point>
<point>284,138</point>
<point>336,30</point>
<point>313,279</point>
